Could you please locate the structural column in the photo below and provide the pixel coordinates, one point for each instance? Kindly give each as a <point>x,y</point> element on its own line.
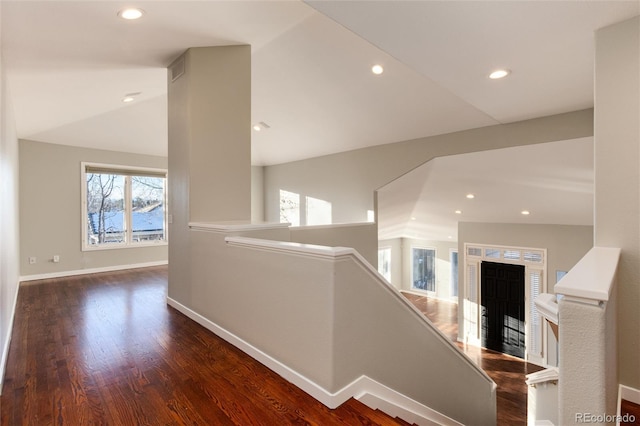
<point>617,178</point>
<point>209,107</point>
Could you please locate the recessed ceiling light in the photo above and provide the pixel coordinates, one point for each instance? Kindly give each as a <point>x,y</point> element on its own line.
<point>261,126</point>
<point>130,97</point>
<point>413,218</point>
<point>131,13</point>
<point>498,74</point>
<point>458,212</point>
<point>525,212</point>
<point>377,69</point>
<point>449,237</point>
<point>470,196</point>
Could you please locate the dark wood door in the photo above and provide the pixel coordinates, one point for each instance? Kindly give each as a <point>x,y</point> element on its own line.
<point>502,300</point>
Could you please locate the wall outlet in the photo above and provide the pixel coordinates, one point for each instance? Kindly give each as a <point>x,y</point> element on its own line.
<point>32,260</point>
<point>56,258</point>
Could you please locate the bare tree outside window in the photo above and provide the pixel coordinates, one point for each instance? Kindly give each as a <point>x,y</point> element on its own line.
<point>105,202</point>
<point>147,205</point>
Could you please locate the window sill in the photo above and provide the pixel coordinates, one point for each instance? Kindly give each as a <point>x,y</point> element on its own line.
<point>124,246</point>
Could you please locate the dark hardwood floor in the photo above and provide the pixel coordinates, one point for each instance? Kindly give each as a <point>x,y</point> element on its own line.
<point>630,413</point>
<point>105,349</point>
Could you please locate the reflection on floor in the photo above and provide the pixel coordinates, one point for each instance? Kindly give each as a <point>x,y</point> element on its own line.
<point>508,372</point>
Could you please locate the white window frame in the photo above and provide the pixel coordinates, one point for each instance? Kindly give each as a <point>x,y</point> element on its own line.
<point>435,270</point>
<point>452,297</point>
<point>390,251</point>
<point>122,170</point>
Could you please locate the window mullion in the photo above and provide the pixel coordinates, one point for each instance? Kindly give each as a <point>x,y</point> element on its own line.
<point>128,226</point>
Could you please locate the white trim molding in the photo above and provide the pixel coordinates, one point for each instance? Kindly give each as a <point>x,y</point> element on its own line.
<point>62,274</point>
<point>364,389</point>
<point>226,227</point>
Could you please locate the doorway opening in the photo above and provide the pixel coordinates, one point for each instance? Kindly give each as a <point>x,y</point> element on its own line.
<point>502,308</point>
<point>483,322</point>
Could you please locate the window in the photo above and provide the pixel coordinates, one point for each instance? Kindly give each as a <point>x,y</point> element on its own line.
<point>453,255</point>
<point>384,263</point>
<point>371,216</point>
<point>535,339</point>
<point>474,251</point>
<point>289,208</point>
<point>492,253</point>
<point>122,207</point>
<point>318,211</point>
<point>424,272</point>
<point>512,254</point>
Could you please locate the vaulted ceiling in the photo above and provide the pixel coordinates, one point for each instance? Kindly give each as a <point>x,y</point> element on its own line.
<point>70,63</point>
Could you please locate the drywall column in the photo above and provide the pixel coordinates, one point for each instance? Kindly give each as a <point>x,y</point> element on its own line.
<point>587,386</point>
<point>617,177</point>
<point>209,107</point>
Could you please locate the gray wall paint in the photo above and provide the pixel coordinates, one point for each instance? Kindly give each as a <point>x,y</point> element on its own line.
<point>361,236</point>
<point>257,194</point>
<point>50,209</point>
<point>209,148</point>
<point>9,221</point>
<point>349,179</point>
<point>218,102</point>
<point>351,328</point>
<point>617,177</point>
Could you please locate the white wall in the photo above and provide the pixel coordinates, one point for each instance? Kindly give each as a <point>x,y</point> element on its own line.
<point>9,220</point>
<point>348,180</point>
<point>50,210</point>
<point>617,177</point>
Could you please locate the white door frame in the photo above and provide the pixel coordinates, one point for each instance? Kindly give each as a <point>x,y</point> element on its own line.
<point>534,261</point>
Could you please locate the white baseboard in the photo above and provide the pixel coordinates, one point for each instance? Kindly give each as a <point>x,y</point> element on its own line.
<point>62,274</point>
<point>7,340</point>
<point>378,396</point>
<point>368,391</point>
<point>629,394</point>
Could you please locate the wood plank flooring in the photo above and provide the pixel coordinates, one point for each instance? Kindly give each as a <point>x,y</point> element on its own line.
<point>631,411</point>
<point>105,349</point>
<point>508,372</point>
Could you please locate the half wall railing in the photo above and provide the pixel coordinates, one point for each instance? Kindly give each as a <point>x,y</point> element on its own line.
<point>324,319</point>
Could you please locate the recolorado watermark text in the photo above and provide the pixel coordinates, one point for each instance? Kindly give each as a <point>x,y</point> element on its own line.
<point>604,418</point>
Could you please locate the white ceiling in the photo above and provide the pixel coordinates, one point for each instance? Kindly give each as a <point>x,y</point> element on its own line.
<point>69,64</point>
<point>553,181</point>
